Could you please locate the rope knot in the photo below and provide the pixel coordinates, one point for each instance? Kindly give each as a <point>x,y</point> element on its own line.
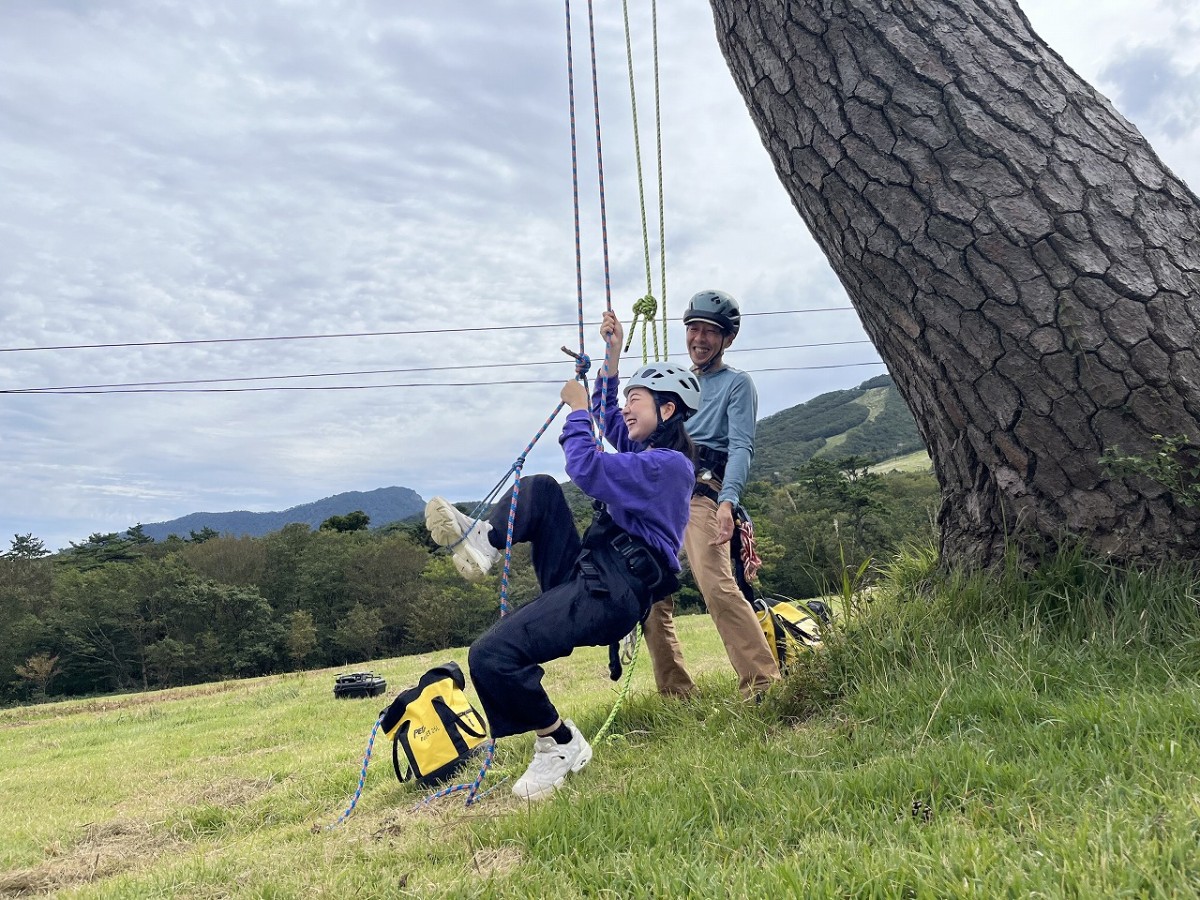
<point>583,364</point>
<point>646,307</point>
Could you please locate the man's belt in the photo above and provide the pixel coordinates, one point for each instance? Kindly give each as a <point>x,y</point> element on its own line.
<point>712,460</point>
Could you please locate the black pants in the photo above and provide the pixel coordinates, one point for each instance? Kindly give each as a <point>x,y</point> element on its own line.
<point>505,662</point>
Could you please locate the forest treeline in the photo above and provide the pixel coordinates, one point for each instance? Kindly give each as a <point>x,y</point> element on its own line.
<point>123,612</point>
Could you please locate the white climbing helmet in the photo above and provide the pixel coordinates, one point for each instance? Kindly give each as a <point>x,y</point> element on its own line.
<point>668,378</point>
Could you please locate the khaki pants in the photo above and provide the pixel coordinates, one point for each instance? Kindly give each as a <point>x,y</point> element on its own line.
<point>735,620</point>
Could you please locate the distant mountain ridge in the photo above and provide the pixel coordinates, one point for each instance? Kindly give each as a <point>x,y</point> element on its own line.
<point>383,506</point>
<point>870,420</point>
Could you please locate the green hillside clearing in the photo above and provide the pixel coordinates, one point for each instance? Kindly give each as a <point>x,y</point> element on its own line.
<point>912,462</point>
<point>870,421</point>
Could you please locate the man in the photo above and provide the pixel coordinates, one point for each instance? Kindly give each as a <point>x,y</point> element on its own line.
<point>723,431</point>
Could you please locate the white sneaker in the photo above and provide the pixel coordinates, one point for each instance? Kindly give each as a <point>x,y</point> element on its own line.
<point>551,763</point>
<point>473,556</point>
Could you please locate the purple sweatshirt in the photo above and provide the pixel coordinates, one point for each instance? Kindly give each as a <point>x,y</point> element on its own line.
<point>647,491</point>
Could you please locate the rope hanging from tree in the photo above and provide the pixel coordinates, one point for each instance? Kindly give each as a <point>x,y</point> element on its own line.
<point>645,309</point>
<point>582,362</point>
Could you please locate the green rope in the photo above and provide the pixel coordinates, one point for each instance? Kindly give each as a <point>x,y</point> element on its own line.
<point>624,688</point>
<point>645,309</point>
<point>637,145</point>
<point>648,300</point>
<point>662,215</point>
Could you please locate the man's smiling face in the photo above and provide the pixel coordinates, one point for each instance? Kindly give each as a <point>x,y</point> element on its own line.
<point>704,341</point>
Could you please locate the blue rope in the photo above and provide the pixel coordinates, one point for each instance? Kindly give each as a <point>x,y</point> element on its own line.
<point>582,364</point>
<point>599,163</point>
<point>362,777</point>
<point>575,178</point>
<point>487,764</point>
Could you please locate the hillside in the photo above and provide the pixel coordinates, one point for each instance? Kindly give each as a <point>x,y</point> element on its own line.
<point>383,505</point>
<point>870,420</point>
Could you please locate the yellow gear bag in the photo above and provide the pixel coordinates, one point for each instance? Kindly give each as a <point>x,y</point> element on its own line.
<point>792,627</point>
<point>436,725</point>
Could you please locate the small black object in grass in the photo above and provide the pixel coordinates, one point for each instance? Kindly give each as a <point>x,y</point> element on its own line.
<point>358,684</point>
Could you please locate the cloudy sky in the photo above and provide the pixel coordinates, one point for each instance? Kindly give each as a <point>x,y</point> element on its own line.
<point>179,177</point>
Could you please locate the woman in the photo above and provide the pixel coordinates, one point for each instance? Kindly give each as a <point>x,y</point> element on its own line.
<point>596,589</point>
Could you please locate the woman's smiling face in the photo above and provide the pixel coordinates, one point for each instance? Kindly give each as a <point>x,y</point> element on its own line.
<point>640,413</point>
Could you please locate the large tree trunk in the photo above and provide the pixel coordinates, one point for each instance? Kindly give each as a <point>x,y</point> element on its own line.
<point>1023,261</point>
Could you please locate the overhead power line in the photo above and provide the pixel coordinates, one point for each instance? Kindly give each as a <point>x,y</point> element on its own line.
<point>101,389</point>
<point>360,334</point>
<point>359,372</point>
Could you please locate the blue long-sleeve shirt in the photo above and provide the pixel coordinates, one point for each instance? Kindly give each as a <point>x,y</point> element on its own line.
<point>725,422</point>
<point>647,490</point>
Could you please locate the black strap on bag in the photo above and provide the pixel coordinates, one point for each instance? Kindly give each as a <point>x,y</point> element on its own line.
<point>463,734</point>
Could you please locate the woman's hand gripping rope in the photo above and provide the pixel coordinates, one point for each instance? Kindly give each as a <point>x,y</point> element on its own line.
<point>613,334</point>
<point>574,393</point>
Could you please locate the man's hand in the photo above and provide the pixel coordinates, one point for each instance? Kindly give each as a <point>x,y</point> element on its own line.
<point>574,395</point>
<point>724,524</point>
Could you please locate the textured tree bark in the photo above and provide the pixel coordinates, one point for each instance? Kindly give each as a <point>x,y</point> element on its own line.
<point>1023,261</point>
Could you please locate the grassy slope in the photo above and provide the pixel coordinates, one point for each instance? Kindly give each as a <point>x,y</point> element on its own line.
<point>911,462</point>
<point>873,400</point>
<point>937,750</point>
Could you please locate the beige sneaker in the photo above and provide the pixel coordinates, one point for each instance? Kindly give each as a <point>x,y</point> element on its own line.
<point>472,554</point>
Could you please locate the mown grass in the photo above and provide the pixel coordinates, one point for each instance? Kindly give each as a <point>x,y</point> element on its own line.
<point>1013,735</point>
<point>911,462</point>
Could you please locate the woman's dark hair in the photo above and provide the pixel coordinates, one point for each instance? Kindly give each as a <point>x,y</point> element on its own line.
<point>672,434</point>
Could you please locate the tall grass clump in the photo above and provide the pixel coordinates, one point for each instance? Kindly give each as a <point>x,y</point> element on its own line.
<point>917,616</point>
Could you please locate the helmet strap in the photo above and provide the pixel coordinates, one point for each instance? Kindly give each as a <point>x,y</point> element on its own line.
<point>716,361</point>
<point>663,424</point>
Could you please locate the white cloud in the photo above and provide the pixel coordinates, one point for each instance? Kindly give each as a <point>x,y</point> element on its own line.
<point>177,171</point>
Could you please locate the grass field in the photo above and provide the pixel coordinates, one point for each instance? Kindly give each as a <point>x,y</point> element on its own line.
<point>937,749</point>
<point>226,789</point>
